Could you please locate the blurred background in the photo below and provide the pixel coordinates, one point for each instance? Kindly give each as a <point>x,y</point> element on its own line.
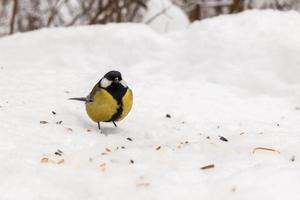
<point>26,15</point>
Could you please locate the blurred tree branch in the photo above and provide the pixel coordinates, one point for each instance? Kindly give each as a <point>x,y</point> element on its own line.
<point>54,9</point>
<point>26,15</point>
<point>13,16</point>
<point>200,9</point>
<point>162,12</point>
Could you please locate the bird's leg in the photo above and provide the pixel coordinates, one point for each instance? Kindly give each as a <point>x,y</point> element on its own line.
<point>99,125</point>
<point>114,124</point>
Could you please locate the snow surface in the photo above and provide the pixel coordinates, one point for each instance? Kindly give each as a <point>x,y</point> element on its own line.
<point>232,76</point>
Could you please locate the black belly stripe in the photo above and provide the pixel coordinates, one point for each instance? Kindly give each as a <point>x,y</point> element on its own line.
<point>118,114</point>
<point>117,91</point>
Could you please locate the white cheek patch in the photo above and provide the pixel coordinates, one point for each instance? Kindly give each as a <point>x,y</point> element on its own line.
<point>123,83</point>
<point>105,83</point>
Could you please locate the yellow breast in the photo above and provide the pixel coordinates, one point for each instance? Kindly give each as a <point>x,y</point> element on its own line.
<point>104,106</point>
<point>127,101</point>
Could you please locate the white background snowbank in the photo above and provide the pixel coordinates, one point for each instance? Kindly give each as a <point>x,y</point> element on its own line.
<point>232,76</point>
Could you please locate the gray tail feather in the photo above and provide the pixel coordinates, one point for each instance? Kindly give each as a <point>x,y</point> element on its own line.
<point>79,99</point>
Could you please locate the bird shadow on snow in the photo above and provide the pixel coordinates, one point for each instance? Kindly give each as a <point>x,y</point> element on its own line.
<point>110,130</point>
<point>106,128</point>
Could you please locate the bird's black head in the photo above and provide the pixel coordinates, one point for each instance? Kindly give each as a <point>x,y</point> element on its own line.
<point>113,83</point>
<point>113,76</point>
<point>112,79</point>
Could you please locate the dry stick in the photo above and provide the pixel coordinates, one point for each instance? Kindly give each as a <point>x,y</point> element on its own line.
<point>118,11</point>
<point>69,9</point>
<point>85,10</point>
<point>101,10</point>
<point>235,7</point>
<point>134,12</point>
<point>163,11</point>
<point>13,17</point>
<point>266,149</point>
<point>140,3</point>
<point>54,10</point>
<point>208,167</point>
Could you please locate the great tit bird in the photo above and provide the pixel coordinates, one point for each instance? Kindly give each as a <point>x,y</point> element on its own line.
<point>110,100</point>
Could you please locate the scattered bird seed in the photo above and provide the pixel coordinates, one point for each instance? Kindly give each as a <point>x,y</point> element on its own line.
<point>48,160</point>
<point>54,113</point>
<point>69,129</point>
<point>58,152</point>
<point>129,139</point>
<point>168,116</point>
<point>208,167</point>
<point>292,159</point>
<point>61,161</point>
<point>43,122</point>
<point>143,184</point>
<point>103,165</point>
<point>157,148</point>
<point>59,122</point>
<point>44,160</point>
<point>223,139</point>
<point>266,149</point>
<point>131,161</point>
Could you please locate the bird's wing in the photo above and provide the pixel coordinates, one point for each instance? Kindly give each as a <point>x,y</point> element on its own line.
<point>90,97</point>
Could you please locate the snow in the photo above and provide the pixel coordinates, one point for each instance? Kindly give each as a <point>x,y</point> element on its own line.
<point>164,16</point>
<point>232,76</point>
